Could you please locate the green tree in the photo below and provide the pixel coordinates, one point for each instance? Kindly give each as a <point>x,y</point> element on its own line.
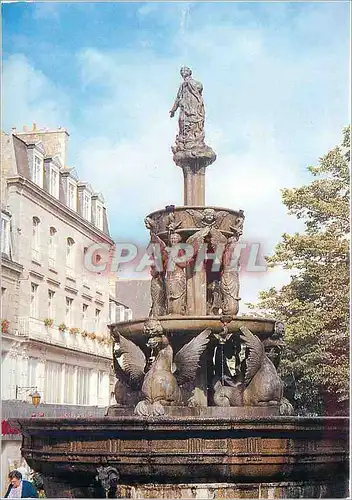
<point>315,304</point>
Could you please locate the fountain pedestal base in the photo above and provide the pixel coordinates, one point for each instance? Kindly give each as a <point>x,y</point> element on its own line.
<point>190,456</point>
<point>234,490</point>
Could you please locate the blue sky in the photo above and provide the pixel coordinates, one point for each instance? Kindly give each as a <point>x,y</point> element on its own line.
<point>276,85</point>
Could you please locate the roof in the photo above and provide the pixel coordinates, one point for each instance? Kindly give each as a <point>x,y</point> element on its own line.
<point>21,154</point>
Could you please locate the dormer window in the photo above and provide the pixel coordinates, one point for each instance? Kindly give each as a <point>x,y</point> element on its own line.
<point>72,195</point>
<point>99,217</point>
<point>37,173</point>
<point>54,182</point>
<point>87,206</point>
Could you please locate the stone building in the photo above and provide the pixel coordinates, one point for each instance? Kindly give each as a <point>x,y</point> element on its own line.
<point>135,293</point>
<point>55,308</point>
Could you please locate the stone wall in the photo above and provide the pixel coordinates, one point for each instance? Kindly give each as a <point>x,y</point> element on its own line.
<point>7,164</point>
<point>11,443</point>
<point>21,409</point>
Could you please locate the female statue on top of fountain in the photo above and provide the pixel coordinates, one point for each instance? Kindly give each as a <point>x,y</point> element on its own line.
<point>189,101</point>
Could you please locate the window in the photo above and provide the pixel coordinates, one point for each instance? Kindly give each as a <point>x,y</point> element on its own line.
<point>101,386</point>
<point>128,314</point>
<point>51,304</point>
<point>32,372</point>
<point>97,317</point>
<point>38,171</point>
<point>71,196</point>
<point>53,382</point>
<point>35,238</point>
<point>70,257</point>
<point>68,312</point>
<point>112,312</point>
<point>85,280</point>
<point>86,206</point>
<point>52,247</point>
<point>120,313</point>
<point>10,368</point>
<point>85,316</point>
<point>69,384</point>
<point>83,379</point>
<point>98,280</point>
<point>54,182</point>
<point>5,234</point>
<point>33,308</point>
<point>99,217</point>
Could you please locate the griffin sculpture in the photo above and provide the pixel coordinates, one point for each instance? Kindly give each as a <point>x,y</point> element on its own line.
<point>259,385</point>
<point>263,385</point>
<point>160,378</point>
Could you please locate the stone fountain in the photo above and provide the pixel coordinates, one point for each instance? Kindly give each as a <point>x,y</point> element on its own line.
<point>200,409</point>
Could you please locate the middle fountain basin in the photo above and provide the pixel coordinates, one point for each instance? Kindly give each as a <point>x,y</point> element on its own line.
<point>181,329</point>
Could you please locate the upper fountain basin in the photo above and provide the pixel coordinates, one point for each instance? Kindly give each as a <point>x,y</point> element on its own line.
<point>189,219</point>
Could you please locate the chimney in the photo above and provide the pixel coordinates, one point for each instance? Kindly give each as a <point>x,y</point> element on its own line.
<point>34,126</point>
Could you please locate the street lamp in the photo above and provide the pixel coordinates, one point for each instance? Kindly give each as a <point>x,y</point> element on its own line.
<point>35,395</point>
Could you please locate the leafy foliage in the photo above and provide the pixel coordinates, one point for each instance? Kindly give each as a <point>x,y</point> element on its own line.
<point>315,304</point>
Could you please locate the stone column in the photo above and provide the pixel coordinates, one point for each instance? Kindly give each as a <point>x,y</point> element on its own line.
<point>194,185</point>
<point>63,382</point>
<point>196,292</point>
<point>22,374</point>
<point>40,374</point>
<point>93,386</point>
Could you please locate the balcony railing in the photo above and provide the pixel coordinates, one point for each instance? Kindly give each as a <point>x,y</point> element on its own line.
<point>35,329</point>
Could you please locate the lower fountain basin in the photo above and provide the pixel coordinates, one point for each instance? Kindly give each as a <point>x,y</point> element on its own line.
<point>183,452</point>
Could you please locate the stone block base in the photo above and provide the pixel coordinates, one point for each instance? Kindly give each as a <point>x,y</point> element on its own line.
<point>233,490</point>
<point>294,489</point>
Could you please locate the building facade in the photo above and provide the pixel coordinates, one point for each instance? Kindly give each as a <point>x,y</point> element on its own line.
<point>135,293</point>
<point>55,307</point>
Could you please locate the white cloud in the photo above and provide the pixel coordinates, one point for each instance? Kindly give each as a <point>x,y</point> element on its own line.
<point>147,9</point>
<point>30,96</point>
<point>46,10</point>
<point>275,92</point>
